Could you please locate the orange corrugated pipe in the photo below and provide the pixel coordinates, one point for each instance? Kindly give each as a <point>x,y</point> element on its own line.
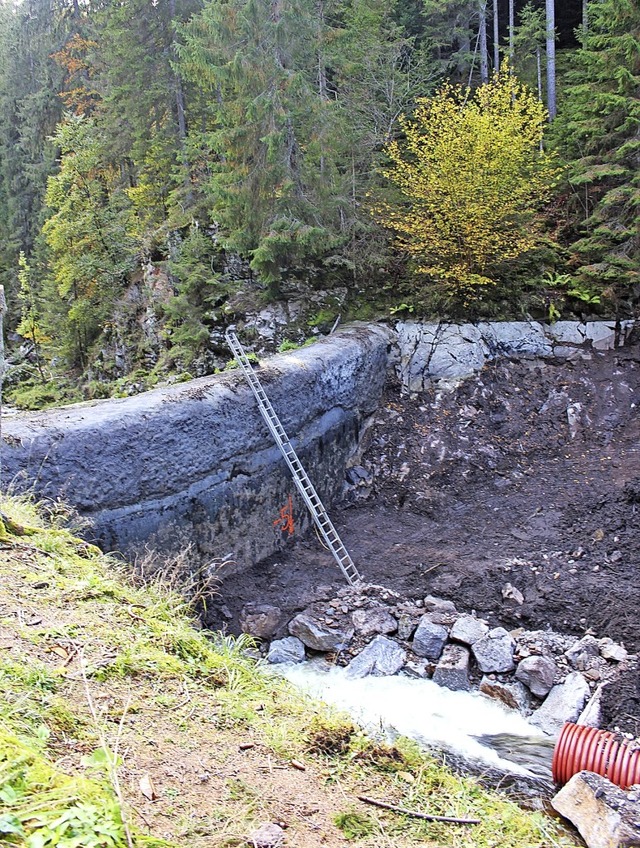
<point>582,748</point>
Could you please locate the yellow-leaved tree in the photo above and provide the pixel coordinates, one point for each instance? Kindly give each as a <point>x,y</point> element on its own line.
<point>469,175</point>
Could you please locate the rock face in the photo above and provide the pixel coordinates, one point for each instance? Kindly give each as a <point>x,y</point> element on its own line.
<point>605,816</point>
<point>195,462</point>
<point>440,351</point>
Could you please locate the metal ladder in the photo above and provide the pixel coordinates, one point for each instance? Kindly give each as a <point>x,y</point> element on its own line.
<point>300,477</point>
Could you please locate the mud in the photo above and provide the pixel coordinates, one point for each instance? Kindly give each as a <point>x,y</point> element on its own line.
<point>528,474</point>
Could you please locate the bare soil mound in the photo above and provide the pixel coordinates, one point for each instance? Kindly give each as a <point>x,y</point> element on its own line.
<point>527,475</point>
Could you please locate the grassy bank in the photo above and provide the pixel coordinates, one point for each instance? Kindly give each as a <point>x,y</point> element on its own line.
<point>122,724</point>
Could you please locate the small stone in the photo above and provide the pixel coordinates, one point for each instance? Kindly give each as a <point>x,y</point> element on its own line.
<point>434,604</point>
<point>267,836</point>
<point>429,639</point>
<point>406,627</point>
<point>582,651</point>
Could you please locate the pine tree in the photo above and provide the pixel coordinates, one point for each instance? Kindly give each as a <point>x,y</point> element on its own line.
<point>598,130</point>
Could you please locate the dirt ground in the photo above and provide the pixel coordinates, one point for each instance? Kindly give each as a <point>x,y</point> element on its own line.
<point>527,474</point>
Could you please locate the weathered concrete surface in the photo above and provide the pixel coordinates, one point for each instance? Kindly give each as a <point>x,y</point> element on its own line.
<point>195,462</point>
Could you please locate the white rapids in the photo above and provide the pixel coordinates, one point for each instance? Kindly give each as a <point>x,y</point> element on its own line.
<point>433,716</point>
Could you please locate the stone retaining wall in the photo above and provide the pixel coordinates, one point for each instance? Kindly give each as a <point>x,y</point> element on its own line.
<point>195,462</point>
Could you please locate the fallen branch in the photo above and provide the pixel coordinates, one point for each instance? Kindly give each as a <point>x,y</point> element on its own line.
<point>415,814</point>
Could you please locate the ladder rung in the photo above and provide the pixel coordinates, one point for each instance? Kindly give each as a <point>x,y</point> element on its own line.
<point>300,476</point>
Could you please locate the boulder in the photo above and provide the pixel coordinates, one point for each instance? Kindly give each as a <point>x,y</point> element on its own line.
<point>287,650</point>
<point>406,627</point>
<point>260,620</point>
<point>494,651</point>
<point>515,696</point>
<point>538,674</point>
<point>604,815</point>
<point>368,622</point>
<point>318,636</point>
<point>381,657</point>
<point>591,715</point>
<point>468,629</point>
<point>433,604</point>
<point>429,639</point>
<point>564,702</point>
<point>452,670</point>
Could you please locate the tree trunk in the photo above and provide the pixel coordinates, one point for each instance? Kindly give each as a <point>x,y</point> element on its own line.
<point>496,37</point>
<point>539,71</point>
<point>551,58</point>
<point>585,17</point>
<point>484,56</point>
<point>512,32</point>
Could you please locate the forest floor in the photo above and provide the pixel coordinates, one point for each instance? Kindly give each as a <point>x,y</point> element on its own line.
<point>490,484</point>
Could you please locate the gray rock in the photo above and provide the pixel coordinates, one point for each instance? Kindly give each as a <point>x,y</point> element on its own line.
<point>406,627</point>
<point>433,604</point>
<point>591,715</point>
<point>564,702</point>
<point>260,620</point>
<point>381,657</point>
<point>429,639</point>
<point>604,815</point>
<point>452,670</point>
<point>582,652</point>
<point>318,636</point>
<point>515,696</point>
<point>267,836</point>
<point>373,620</point>
<point>610,650</point>
<point>287,650</point>
<point>538,674</point>
<point>417,668</point>
<point>468,629</point>
<point>494,652</point>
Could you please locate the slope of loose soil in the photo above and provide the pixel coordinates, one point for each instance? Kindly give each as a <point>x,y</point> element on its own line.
<point>207,746</point>
<point>486,485</point>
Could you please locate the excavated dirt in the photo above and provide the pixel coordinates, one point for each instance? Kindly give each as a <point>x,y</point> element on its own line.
<point>526,476</point>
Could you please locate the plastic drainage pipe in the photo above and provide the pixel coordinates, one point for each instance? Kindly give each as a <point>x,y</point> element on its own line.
<point>582,748</point>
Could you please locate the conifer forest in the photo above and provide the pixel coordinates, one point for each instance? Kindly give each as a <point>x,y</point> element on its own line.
<point>167,166</point>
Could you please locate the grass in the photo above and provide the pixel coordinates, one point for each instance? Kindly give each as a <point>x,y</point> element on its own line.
<point>106,686</point>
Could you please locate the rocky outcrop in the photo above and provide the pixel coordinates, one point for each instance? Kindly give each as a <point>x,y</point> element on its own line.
<point>450,352</point>
<point>195,462</point>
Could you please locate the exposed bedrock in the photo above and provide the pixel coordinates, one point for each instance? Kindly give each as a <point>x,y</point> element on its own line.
<point>195,462</point>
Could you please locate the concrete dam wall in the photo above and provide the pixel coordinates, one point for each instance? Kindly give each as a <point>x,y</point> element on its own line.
<point>195,463</point>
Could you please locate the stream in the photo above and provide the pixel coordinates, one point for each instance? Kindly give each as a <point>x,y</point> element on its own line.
<point>468,725</point>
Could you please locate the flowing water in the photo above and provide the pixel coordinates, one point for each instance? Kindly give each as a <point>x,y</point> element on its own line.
<point>473,727</point>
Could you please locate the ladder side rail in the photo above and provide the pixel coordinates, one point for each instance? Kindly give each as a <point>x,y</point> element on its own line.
<point>300,478</point>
